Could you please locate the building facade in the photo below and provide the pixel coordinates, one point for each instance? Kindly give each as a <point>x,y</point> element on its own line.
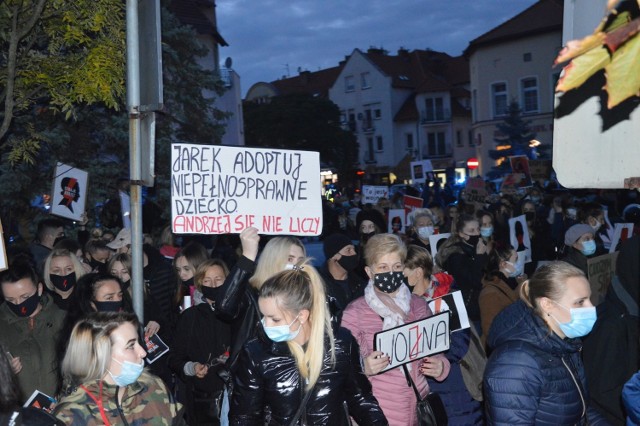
<point>403,108</point>
<point>514,62</point>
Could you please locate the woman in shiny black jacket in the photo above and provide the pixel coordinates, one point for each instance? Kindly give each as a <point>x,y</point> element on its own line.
<point>298,370</point>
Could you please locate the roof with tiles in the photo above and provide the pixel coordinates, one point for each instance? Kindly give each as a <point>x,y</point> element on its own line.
<point>315,83</point>
<point>543,16</point>
<point>422,70</point>
<point>190,12</point>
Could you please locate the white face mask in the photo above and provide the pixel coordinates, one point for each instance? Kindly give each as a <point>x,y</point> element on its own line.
<point>424,232</point>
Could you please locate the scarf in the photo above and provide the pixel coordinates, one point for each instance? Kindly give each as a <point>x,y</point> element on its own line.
<point>393,310</point>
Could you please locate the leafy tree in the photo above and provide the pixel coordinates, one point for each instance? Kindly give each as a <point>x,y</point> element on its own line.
<point>515,139</point>
<point>301,122</point>
<point>95,138</point>
<point>57,54</point>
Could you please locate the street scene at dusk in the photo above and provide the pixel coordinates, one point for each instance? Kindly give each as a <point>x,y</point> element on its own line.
<point>405,213</point>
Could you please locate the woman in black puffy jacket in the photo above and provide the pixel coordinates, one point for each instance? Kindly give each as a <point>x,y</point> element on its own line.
<point>535,374</point>
<point>298,369</point>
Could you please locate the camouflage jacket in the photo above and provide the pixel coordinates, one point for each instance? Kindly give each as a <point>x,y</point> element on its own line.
<point>145,402</point>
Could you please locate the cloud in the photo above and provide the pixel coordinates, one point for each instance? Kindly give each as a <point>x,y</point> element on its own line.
<point>270,39</point>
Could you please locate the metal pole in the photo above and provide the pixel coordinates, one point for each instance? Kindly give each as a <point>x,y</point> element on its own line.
<point>133,106</point>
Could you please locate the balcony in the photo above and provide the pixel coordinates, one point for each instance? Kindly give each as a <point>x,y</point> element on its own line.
<point>437,116</point>
<point>367,126</point>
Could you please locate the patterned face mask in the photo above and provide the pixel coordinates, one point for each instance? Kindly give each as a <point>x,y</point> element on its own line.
<point>388,282</point>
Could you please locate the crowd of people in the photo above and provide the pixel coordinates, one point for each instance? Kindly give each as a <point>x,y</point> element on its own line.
<point>260,333</point>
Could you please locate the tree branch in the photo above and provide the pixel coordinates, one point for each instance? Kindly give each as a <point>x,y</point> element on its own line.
<point>37,12</point>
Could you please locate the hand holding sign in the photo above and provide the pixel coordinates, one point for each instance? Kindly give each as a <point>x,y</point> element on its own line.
<point>375,363</point>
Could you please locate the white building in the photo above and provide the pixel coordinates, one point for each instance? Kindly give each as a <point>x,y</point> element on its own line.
<point>513,61</point>
<point>411,106</point>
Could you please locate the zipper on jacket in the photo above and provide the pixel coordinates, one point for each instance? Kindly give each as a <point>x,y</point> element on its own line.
<point>584,405</point>
<point>119,408</point>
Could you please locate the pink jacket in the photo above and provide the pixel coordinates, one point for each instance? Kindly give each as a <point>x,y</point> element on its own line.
<point>396,398</point>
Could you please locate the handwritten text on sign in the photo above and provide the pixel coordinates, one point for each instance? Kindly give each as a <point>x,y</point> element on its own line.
<point>223,189</point>
<point>414,340</point>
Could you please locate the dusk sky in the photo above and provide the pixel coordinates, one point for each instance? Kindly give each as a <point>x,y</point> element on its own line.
<point>269,39</point>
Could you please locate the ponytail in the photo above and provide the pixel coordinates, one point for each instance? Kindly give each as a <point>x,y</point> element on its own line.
<point>295,290</point>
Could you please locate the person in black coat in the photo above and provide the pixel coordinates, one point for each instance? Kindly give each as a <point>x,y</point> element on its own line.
<point>342,283</point>
<point>201,347</point>
<point>616,330</point>
<point>464,255</point>
<point>298,365</point>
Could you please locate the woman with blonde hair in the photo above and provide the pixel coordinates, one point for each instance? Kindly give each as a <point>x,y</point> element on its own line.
<point>104,375</point>
<point>279,254</point>
<point>62,269</point>
<point>299,365</point>
<point>237,300</point>
<point>535,373</point>
<point>388,303</point>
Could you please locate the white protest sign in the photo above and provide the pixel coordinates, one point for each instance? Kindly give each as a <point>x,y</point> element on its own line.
<point>454,303</point>
<point>68,195</point>
<point>519,236</point>
<point>435,241</point>
<point>397,221</point>
<point>414,340</point>
<point>419,170</point>
<point>372,193</point>
<point>125,209</point>
<point>3,251</point>
<point>224,189</point>
<point>621,232</point>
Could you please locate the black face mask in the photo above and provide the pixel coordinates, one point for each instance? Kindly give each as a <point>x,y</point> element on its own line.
<point>111,306</point>
<point>98,266</point>
<point>26,308</point>
<point>473,240</point>
<point>530,216</point>
<point>63,282</point>
<point>349,263</point>
<point>211,293</point>
<point>57,240</point>
<point>367,236</point>
<point>188,283</point>
<point>388,282</point>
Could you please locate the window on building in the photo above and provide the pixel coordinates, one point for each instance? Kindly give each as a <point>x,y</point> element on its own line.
<point>527,57</point>
<point>435,109</point>
<point>349,84</point>
<point>436,144</point>
<point>365,78</point>
<point>409,137</point>
<point>529,94</point>
<point>459,141</point>
<point>379,144</point>
<point>377,113</point>
<point>351,116</point>
<point>370,155</point>
<point>499,95</point>
<point>470,137</point>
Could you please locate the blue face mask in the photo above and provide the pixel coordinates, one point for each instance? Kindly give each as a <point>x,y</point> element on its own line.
<point>517,269</point>
<point>486,232</point>
<point>129,372</point>
<point>582,321</point>
<point>281,333</point>
<point>588,247</point>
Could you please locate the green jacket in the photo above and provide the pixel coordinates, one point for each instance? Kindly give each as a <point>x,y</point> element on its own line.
<point>34,341</point>
<point>145,402</point>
